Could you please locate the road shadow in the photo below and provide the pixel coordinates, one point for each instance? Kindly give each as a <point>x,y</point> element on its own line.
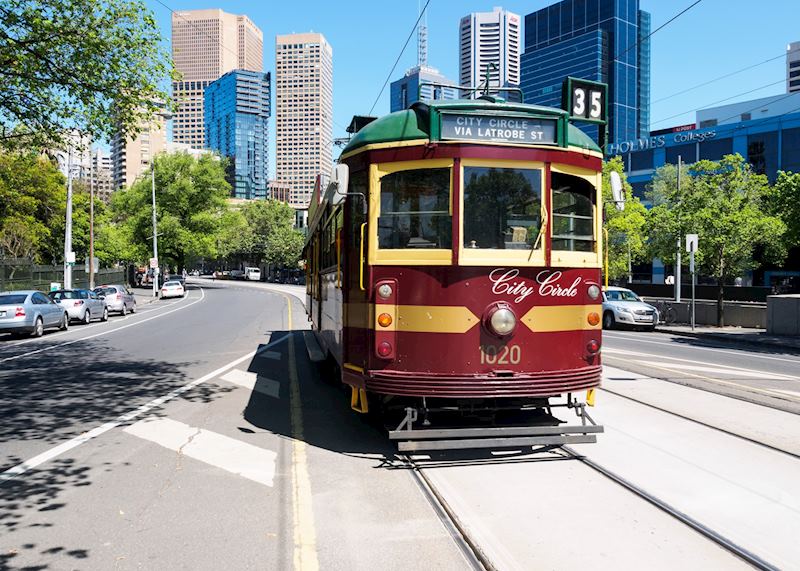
<point>327,419</point>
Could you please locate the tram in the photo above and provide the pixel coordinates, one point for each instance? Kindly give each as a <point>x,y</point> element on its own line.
<point>453,273</point>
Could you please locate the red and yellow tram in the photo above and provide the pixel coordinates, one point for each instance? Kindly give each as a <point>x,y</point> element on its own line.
<point>454,268</point>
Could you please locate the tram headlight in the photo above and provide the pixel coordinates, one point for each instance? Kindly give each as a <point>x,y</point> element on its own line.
<point>385,291</point>
<point>502,320</point>
<point>593,291</point>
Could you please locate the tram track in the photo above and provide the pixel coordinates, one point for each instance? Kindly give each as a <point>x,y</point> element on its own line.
<point>727,544</point>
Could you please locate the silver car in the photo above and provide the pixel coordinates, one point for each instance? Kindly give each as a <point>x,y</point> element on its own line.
<point>623,307</point>
<point>81,304</point>
<point>118,298</point>
<point>30,312</point>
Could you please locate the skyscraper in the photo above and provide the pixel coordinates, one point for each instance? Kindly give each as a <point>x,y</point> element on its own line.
<point>205,45</point>
<point>237,108</point>
<point>793,67</point>
<point>132,156</point>
<point>303,112</point>
<point>489,39</point>
<point>598,40</point>
<point>415,86</point>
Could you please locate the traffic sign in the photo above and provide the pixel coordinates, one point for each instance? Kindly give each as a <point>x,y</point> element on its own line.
<point>691,242</point>
<point>154,263</point>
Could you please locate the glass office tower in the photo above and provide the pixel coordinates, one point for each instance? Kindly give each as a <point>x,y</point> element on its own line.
<point>599,40</point>
<point>237,108</point>
<point>415,86</point>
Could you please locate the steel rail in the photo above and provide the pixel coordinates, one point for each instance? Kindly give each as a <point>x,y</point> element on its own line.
<point>727,544</point>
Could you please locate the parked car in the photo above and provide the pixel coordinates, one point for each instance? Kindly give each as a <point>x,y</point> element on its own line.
<point>172,288</point>
<point>30,311</point>
<point>622,307</point>
<point>252,274</point>
<point>81,304</point>
<point>119,298</point>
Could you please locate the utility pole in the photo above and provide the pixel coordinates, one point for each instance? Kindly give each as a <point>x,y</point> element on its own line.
<point>69,256</point>
<point>91,219</point>
<point>155,233</point>
<point>678,254</point>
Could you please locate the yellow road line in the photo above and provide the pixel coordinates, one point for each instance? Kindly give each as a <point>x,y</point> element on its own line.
<point>767,392</point>
<point>305,537</point>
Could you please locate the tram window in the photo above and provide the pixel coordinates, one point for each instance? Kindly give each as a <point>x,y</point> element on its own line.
<point>502,208</point>
<point>573,213</point>
<point>415,210</point>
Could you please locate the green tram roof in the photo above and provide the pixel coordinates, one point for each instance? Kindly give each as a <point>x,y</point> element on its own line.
<point>414,123</point>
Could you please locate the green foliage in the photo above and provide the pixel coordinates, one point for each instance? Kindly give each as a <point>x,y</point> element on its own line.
<point>94,65</point>
<point>723,202</point>
<point>32,201</point>
<point>626,229</point>
<point>784,202</point>
<point>190,199</point>
<point>272,237</point>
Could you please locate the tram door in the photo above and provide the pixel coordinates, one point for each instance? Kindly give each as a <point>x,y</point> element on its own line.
<point>356,272</point>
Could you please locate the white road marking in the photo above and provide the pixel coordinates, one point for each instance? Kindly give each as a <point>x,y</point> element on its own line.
<point>246,460</point>
<point>253,382</point>
<point>719,370</point>
<point>753,354</point>
<point>105,332</point>
<point>21,468</point>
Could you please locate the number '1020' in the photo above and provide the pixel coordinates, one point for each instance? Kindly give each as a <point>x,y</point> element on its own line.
<point>587,103</point>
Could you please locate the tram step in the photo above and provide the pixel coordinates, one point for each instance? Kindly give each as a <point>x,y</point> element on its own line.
<point>462,444</point>
<point>315,352</point>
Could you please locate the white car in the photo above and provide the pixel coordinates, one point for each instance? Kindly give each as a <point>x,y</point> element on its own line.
<point>622,307</point>
<point>172,288</point>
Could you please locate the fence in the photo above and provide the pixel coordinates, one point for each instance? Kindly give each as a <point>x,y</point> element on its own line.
<point>17,274</point>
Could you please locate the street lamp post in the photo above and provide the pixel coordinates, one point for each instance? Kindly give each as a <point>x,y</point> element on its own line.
<point>69,257</point>
<point>91,221</point>
<point>155,233</point>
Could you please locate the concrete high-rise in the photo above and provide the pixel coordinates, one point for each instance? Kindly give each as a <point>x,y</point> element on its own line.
<point>206,44</point>
<point>489,40</point>
<point>303,112</point>
<point>237,108</point>
<point>600,40</point>
<point>132,156</point>
<point>793,67</point>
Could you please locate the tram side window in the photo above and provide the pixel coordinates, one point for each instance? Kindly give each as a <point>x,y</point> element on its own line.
<point>573,213</point>
<point>415,210</point>
<point>502,208</point>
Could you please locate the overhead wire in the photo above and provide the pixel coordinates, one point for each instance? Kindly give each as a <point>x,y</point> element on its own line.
<point>405,45</point>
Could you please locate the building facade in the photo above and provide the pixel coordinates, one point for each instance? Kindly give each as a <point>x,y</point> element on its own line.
<point>279,191</point>
<point>206,44</point>
<point>489,40</point>
<point>793,67</point>
<point>101,176</point>
<point>415,86</point>
<point>303,112</point>
<point>132,156</point>
<point>237,111</point>
<point>598,40</point>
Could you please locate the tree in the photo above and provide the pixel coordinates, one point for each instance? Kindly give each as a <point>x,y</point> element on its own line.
<point>724,202</point>
<point>273,237</point>
<point>95,65</point>
<point>190,202</point>
<point>784,202</point>
<point>626,236</point>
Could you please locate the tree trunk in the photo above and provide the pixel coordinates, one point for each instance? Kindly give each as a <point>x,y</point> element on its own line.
<point>720,303</point>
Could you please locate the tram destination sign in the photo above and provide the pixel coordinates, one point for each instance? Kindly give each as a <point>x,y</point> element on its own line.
<point>498,129</point>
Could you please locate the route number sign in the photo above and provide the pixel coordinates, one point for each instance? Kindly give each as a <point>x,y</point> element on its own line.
<point>585,100</point>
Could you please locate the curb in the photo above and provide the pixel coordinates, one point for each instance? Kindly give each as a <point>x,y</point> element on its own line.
<point>725,338</point>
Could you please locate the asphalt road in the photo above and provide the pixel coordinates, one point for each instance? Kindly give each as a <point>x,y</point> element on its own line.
<point>765,376</point>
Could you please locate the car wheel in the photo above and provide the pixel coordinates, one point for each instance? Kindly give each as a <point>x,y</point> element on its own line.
<point>38,328</point>
<point>124,309</point>
<point>64,323</point>
<point>608,320</point>
<point>105,314</point>
<point>87,317</point>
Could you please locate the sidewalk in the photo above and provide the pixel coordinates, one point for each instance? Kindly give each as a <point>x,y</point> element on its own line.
<point>752,337</point>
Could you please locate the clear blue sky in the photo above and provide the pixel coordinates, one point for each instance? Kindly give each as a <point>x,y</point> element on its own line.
<point>713,38</point>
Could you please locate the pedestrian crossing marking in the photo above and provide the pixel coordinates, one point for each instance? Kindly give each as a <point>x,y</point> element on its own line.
<point>254,382</point>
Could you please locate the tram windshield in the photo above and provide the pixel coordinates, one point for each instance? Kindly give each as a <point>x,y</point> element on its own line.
<point>502,208</point>
<point>415,210</point>
<point>573,213</point>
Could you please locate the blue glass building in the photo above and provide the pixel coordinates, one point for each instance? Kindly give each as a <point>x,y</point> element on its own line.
<point>237,109</point>
<point>598,40</point>
<point>412,87</point>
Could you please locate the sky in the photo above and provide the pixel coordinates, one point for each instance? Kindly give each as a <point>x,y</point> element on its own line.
<point>714,38</point>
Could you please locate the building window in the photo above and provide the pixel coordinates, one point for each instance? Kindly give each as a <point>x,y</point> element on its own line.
<point>642,160</point>
<point>790,150</point>
<point>687,153</point>
<point>714,150</point>
<point>762,153</point>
